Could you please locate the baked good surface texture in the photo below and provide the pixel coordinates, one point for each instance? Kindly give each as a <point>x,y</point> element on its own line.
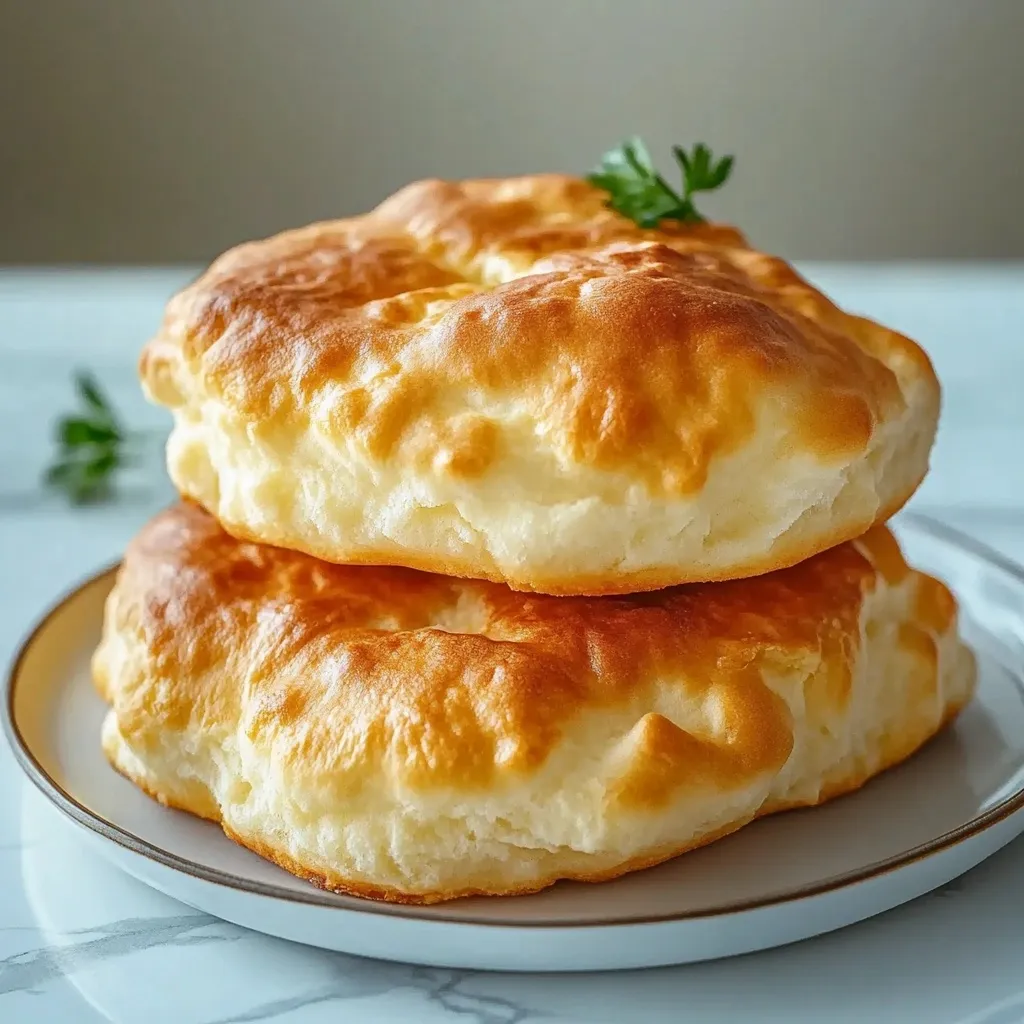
<point>412,737</point>
<point>506,380</point>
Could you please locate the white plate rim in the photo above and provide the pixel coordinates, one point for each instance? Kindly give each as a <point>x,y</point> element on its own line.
<point>85,818</point>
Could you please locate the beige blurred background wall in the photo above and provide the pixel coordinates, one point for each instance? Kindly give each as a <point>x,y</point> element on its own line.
<point>159,131</point>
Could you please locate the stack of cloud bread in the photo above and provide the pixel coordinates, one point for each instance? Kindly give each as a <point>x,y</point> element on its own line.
<point>521,543</point>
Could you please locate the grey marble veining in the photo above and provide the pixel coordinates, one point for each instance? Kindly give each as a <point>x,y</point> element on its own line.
<point>442,989</point>
<point>33,967</point>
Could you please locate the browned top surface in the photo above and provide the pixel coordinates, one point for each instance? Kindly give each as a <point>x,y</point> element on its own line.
<point>428,316</point>
<point>353,671</point>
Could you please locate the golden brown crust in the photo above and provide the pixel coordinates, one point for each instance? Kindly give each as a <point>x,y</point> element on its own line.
<point>516,337</point>
<point>479,740</point>
<point>194,593</point>
<point>538,286</point>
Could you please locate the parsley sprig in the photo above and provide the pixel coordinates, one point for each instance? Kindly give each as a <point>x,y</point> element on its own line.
<point>92,446</point>
<point>636,190</point>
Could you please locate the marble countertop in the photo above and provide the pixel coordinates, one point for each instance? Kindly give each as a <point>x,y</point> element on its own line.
<point>79,941</point>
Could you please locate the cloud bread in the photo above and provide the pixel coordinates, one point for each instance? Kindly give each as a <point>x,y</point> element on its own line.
<point>413,737</point>
<point>507,380</point>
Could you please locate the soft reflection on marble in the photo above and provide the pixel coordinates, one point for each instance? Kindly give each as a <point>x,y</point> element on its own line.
<point>1007,1011</point>
<point>135,955</point>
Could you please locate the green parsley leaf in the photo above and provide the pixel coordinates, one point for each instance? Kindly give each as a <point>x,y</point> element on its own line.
<point>90,446</point>
<point>74,430</point>
<point>90,393</point>
<point>636,189</point>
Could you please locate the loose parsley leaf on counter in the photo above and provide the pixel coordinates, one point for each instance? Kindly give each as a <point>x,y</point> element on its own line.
<point>90,446</point>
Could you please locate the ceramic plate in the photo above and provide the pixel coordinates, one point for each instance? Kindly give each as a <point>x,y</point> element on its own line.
<point>780,879</point>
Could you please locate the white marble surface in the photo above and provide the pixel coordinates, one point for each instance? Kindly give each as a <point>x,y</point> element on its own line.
<point>81,942</point>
